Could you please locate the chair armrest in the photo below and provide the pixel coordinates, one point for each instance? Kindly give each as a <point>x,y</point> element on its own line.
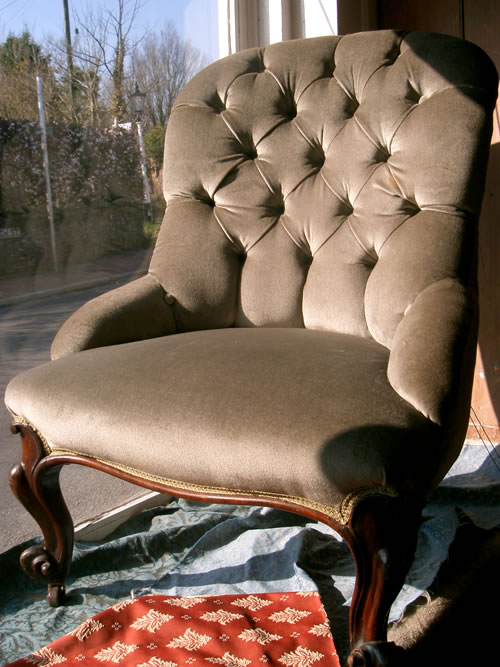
<point>432,357</point>
<point>135,311</point>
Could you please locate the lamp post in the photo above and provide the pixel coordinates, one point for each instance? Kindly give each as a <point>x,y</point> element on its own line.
<point>45,153</point>
<point>136,101</point>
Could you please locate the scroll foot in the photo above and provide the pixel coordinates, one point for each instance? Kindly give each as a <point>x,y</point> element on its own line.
<point>382,534</point>
<point>56,595</point>
<point>35,483</point>
<point>377,654</point>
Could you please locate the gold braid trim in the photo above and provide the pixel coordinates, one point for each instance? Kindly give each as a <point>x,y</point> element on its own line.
<point>21,421</point>
<point>340,513</point>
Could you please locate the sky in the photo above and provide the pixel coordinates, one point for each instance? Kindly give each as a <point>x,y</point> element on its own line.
<point>195,20</point>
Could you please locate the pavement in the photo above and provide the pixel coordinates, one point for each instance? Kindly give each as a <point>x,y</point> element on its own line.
<point>127,264</point>
<point>32,308</point>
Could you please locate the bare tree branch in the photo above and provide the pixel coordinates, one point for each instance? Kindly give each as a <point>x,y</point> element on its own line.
<point>106,43</point>
<point>162,64</point>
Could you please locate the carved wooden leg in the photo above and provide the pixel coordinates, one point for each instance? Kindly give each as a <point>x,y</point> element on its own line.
<point>382,535</point>
<point>36,485</point>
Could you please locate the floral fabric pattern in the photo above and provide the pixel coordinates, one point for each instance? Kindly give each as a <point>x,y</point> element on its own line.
<point>229,630</point>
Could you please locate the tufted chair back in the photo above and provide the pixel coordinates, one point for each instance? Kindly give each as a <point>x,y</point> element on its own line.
<point>307,181</point>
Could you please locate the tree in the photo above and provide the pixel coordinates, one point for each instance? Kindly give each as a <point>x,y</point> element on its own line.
<point>162,64</point>
<point>154,141</point>
<point>105,44</point>
<point>107,61</point>
<point>21,53</point>
<point>86,77</point>
<point>21,60</point>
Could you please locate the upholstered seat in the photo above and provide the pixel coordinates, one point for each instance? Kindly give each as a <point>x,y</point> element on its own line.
<point>305,336</point>
<point>225,395</point>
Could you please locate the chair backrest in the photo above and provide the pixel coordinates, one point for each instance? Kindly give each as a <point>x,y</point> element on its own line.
<point>325,183</point>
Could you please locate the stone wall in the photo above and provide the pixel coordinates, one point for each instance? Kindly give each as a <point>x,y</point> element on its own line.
<point>82,235</point>
<point>97,195</point>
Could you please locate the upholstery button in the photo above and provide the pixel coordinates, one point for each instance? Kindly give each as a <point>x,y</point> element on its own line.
<point>409,207</point>
<point>413,94</point>
<point>279,210</point>
<point>320,157</point>
<point>288,105</point>
<point>168,298</point>
<point>216,103</point>
<point>258,65</point>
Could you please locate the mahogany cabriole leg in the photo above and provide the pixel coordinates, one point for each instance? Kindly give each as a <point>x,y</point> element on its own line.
<point>382,535</point>
<point>36,485</point>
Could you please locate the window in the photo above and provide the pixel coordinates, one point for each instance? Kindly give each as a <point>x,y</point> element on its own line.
<point>262,22</point>
<point>77,216</point>
<point>75,220</point>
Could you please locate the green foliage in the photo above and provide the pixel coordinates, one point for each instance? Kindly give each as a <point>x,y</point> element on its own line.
<point>21,59</point>
<point>154,141</point>
<point>151,230</point>
<point>77,176</point>
<point>22,53</point>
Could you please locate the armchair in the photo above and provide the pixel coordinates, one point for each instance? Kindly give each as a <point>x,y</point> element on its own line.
<point>305,337</point>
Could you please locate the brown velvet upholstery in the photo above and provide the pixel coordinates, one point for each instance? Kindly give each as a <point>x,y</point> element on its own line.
<point>315,274</point>
<point>264,409</point>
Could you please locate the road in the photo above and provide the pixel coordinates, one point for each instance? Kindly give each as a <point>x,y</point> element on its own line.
<point>26,332</point>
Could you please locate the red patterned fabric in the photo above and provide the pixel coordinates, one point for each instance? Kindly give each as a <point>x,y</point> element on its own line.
<point>282,629</point>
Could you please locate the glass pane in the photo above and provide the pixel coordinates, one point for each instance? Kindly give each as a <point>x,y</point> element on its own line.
<point>80,203</point>
<point>320,18</point>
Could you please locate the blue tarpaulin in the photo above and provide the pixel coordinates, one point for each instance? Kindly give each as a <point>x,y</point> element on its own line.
<point>188,548</point>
